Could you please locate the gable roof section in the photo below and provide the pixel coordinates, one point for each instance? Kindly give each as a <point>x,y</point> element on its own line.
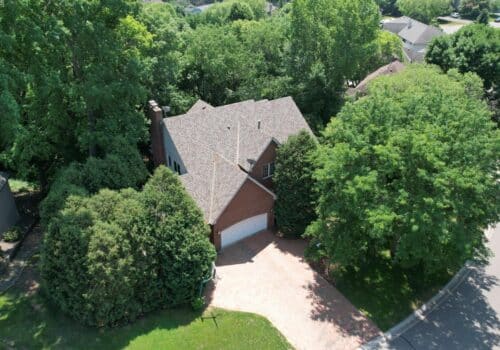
<point>391,68</point>
<point>412,30</point>
<point>218,146</point>
<point>199,106</point>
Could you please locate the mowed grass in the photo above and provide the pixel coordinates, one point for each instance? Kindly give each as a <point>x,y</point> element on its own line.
<point>31,322</point>
<point>387,294</point>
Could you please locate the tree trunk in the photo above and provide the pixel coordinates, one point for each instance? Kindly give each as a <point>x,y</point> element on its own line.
<point>91,130</point>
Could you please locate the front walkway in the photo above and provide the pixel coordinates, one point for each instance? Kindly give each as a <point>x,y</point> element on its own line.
<point>268,276</point>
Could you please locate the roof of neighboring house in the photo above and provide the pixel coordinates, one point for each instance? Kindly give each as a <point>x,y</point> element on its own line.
<point>412,30</point>
<point>218,146</point>
<point>391,68</point>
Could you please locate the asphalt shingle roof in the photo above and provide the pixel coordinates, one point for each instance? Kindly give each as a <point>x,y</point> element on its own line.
<point>412,30</point>
<point>219,145</point>
<point>391,68</point>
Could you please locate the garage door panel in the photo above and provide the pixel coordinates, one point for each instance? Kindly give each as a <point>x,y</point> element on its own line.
<point>243,229</point>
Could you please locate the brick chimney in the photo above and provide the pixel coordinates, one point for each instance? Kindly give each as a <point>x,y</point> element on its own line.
<point>155,113</point>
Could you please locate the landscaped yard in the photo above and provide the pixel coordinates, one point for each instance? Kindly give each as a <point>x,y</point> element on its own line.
<point>30,322</point>
<point>385,293</point>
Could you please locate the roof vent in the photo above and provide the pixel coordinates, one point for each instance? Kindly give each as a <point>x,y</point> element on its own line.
<point>258,124</point>
<point>166,110</point>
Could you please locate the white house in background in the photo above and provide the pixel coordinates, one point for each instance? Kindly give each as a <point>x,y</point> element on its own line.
<point>415,35</point>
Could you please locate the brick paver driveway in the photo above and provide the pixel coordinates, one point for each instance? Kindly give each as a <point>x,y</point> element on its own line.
<point>268,275</point>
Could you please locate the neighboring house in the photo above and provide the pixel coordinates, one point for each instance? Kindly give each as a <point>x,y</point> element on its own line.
<point>8,210</point>
<point>394,67</point>
<point>225,158</point>
<point>194,10</point>
<point>414,34</point>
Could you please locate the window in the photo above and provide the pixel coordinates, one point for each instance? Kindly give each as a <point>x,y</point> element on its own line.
<point>268,170</point>
<point>169,161</point>
<point>265,171</point>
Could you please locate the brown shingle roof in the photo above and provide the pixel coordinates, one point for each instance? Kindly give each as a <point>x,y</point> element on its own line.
<point>391,68</point>
<point>219,145</point>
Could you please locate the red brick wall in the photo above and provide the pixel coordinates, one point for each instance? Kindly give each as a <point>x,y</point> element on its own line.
<point>251,200</point>
<point>268,156</point>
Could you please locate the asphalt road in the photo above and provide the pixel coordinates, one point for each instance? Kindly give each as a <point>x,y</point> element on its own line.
<point>467,319</point>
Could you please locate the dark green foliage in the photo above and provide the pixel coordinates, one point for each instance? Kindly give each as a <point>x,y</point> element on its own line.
<point>411,171</point>
<point>388,7</point>
<point>241,11</point>
<point>112,257</point>
<point>472,8</point>
<point>424,10</point>
<point>294,184</point>
<point>78,71</point>
<point>474,48</point>
<point>115,171</point>
<point>329,44</point>
<point>484,17</point>
<point>12,235</point>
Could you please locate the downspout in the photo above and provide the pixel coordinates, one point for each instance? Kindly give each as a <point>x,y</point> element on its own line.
<point>207,279</point>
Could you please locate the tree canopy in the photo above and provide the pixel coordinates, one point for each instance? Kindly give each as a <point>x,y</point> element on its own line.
<point>424,10</point>
<point>115,256</point>
<point>474,48</point>
<point>411,169</point>
<point>472,8</point>
<point>329,40</point>
<point>78,76</point>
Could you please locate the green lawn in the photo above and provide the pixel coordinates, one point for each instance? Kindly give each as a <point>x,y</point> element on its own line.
<point>387,294</point>
<point>30,322</point>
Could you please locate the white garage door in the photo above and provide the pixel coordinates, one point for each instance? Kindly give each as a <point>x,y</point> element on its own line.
<point>243,229</point>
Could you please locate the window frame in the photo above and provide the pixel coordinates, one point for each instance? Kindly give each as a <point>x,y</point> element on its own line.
<point>268,170</point>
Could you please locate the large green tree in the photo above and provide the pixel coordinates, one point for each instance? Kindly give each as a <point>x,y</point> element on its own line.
<point>294,185</point>
<point>112,257</point>
<point>424,10</point>
<point>329,41</point>
<point>411,169</point>
<point>388,7</point>
<point>474,48</point>
<point>84,80</point>
<point>472,8</point>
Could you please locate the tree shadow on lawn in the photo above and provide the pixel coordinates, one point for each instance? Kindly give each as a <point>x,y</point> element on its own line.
<point>329,305</point>
<point>32,321</point>
<point>386,293</point>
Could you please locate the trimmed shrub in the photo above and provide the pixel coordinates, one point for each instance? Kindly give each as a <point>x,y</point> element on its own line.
<point>294,185</point>
<point>121,169</point>
<point>114,256</point>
